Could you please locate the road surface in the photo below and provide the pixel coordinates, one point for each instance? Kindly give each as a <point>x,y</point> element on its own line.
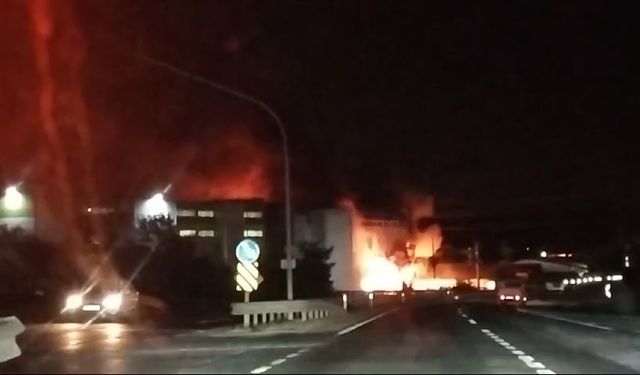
<point>423,338</point>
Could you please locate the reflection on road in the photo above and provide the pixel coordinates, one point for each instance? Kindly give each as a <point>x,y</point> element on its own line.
<point>112,334</point>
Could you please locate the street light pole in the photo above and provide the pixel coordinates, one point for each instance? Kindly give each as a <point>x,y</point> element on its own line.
<point>285,148</point>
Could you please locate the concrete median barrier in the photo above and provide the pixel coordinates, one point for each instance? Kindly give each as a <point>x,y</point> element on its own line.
<point>10,327</point>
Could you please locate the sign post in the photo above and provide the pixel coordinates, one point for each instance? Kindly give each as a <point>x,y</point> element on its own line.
<point>247,275</point>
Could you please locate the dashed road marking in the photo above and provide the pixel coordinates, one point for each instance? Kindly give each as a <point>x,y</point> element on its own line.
<point>544,371</point>
<point>261,369</point>
<point>530,361</point>
<point>279,361</point>
<point>527,359</point>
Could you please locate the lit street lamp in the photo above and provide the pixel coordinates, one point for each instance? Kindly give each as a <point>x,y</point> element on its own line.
<point>262,105</point>
<point>13,199</point>
<point>155,206</point>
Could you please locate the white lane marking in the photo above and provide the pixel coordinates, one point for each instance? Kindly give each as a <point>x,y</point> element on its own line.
<point>472,321</point>
<point>566,320</point>
<point>527,359</point>
<point>292,355</point>
<point>544,371</point>
<point>278,361</point>
<point>303,350</point>
<point>260,370</point>
<point>358,325</point>
<point>530,361</point>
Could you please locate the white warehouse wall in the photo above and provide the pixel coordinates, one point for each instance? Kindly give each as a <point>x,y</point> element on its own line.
<point>331,228</point>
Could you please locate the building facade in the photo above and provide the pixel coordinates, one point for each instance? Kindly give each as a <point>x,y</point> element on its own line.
<point>216,227</point>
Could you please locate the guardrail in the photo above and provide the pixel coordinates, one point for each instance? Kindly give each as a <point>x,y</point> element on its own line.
<point>270,311</point>
<point>10,327</point>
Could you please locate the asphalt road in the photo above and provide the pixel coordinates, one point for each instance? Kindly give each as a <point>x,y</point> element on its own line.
<point>424,338</point>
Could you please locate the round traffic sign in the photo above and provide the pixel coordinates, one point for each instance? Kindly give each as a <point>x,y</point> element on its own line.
<point>247,251</point>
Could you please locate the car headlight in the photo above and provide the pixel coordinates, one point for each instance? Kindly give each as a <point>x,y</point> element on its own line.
<point>73,301</point>
<point>112,301</point>
<point>517,297</point>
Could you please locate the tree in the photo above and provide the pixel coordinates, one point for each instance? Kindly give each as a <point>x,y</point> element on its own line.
<point>34,275</point>
<point>164,265</point>
<point>312,276</point>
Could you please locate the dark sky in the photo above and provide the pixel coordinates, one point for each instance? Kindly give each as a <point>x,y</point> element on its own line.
<point>493,106</point>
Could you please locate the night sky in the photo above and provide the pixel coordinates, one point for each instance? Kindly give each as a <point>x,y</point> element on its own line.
<point>494,107</point>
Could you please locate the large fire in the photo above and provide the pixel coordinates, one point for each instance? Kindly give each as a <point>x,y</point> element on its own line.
<point>426,236</point>
<point>393,254</point>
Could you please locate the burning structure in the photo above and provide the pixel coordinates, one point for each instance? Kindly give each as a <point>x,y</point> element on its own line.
<point>377,254</point>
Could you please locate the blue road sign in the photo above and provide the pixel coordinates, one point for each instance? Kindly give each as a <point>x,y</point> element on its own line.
<point>247,251</point>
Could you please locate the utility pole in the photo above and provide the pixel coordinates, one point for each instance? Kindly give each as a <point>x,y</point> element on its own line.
<point>289,247</point>
<point>476,251</point>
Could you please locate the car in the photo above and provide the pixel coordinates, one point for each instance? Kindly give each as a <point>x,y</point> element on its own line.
<point>100,303</point>
<point>511,292</point>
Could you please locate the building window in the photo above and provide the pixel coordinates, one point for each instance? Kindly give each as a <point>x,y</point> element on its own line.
<point>252,214</point>
<point>186,213</point>
<point>187,233</point>
<point>205,213</point>
<point>206,233</point>
<point>253,233</point>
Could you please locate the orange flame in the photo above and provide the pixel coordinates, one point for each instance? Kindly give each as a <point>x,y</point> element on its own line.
<point>376,271</point>
<point>427,240</point>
